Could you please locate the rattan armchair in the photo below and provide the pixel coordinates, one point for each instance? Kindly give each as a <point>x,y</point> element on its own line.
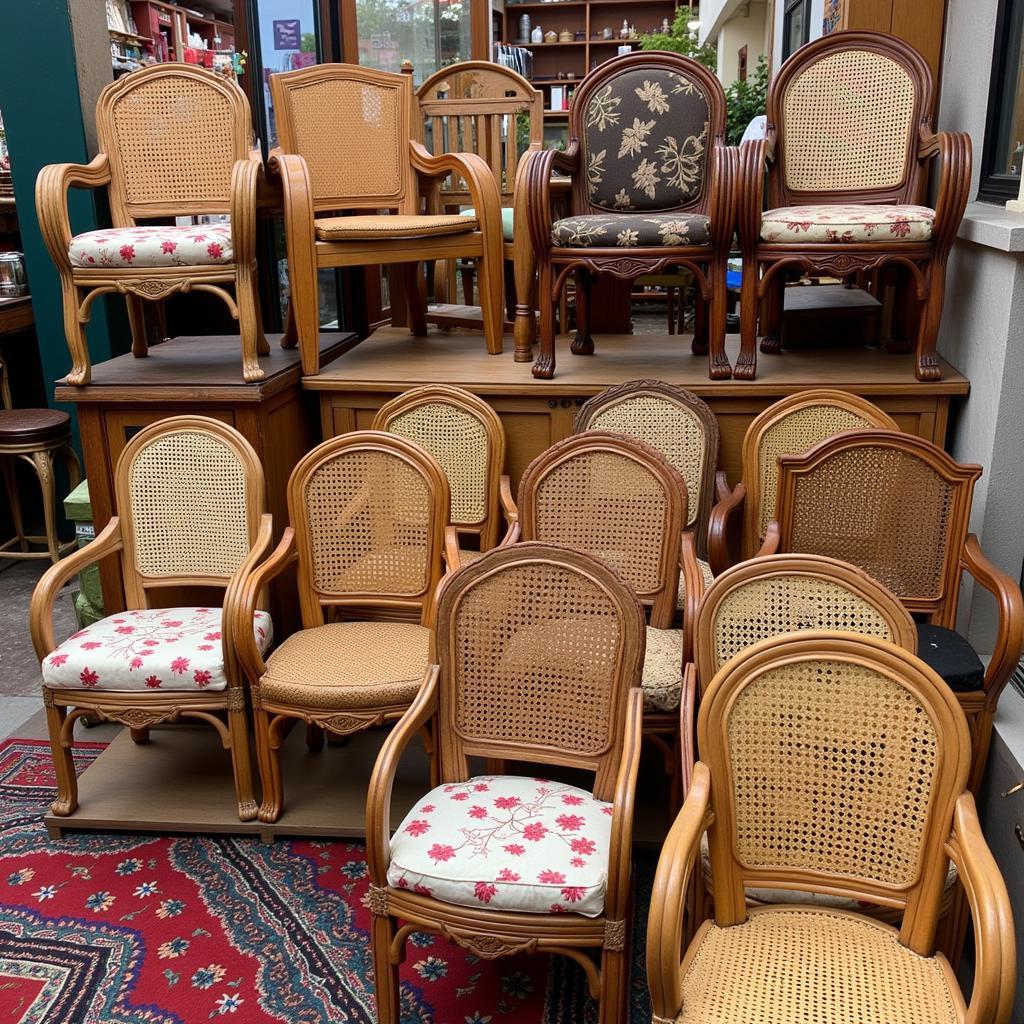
<point>190,498</point>
<point>868,800</point>
<point>847,150</point>
<point>368,512</point>
<point>652,188</point>
<point>175,141</point>
<point>539,651</point>
<point>346,144</point>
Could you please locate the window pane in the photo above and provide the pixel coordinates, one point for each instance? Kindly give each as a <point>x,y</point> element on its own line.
<point>430,33</point>
<point>1010,132</point>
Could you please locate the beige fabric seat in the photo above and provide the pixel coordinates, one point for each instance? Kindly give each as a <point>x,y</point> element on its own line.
<point>346,229</point>
<point>709,578</point>
<point>788,965</point>
<point>848,222</point>
<point>663,669</point>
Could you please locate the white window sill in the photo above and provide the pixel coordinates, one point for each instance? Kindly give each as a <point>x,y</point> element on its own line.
<point>993,226</point>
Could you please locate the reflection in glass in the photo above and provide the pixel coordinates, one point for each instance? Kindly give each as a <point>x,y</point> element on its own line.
<point>1010,131</point>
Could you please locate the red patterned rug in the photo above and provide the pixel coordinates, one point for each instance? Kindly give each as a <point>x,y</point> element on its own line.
<point>123,929</point>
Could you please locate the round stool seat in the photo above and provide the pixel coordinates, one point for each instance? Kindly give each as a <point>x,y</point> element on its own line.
<point>32,426</point>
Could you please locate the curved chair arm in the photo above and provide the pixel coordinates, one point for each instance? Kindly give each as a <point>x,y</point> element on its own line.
<point>991,914</point>
<point>508,503</point>
<point>40,612</point>
<point>725,169</point>
<point>382,779</point>
<point>536,184</point>
<point>620,855</point>
<point>452,556</point>
<point>719,522</point>
<point>753,165</point>
<point>693,590</point>
<point>52,184</point>
<point>232,617</point>
<point>665,922</point>
<point>688,727</point>
<point>772,540</point>
<point>953,150</point>
<point>245,183</point>
<point>1010,637</point>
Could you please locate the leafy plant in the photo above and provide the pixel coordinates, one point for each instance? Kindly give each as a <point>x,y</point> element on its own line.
<point>681,40</point>
<point>744,101</point>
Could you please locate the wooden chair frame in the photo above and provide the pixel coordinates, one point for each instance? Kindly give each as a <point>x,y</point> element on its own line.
<point>488,933</point>
<point>925,262</point>
<point>707,263</point>
<point>80,286</point>
<point>136,709</point>
<point>303,201</point>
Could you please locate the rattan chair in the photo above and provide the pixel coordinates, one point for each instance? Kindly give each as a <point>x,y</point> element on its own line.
<point>368,512</point>
<point>346,144</point>
<point>175,141</point>
<point>898,507</point>
<point>847,149</point>
<point>788,427</point>
<point>467,438</point>
<point>190,498</point>
<point>539,650</point>
<point>652,188</point>
<point>829,764</point>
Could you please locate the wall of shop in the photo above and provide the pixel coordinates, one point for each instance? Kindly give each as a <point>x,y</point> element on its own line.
<point>745,28</point>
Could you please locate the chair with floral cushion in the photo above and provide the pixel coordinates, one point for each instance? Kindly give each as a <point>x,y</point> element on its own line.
<point>652,188</point>
<point>175,141</point>
<point>539,650</point>
<point>847,150</point>
<point>190,498</point>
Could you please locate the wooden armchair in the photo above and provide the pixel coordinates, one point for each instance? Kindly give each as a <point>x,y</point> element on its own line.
<point>882,756</point>
<point>652,188</point>
<point>175,140</point>
<point>898,507</point>
<point>539,651</point>
<point>788,427</point>
<point>368,512</point>
<point>847,150</point>
<point>190,497</point>
<point>346,144</point>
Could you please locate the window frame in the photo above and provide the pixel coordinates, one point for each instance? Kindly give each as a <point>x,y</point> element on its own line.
<point>996,186</point>
<point>788,7</point>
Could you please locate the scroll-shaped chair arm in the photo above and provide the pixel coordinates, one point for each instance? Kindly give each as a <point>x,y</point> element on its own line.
<point>953,152</point>
<point>754,158</point>
<point>620,853</point>
<point>693,590</point>
<point>452,554</point>
<point>725,195</point>
<point>772,540</point>
<point>536,183</point>
<point>246,177</point>
<point>52,184</point>
<point>688,726</point>
<point>231,617</point>
<point>511,512</point>
<point>720,520</point>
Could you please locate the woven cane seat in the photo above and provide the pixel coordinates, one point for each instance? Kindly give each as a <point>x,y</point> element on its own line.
<point>709,578</point>
<point>348,665</point>
<point>32,426</point>
<point>344,229</point>
<point>663,669</point>
<point>469,555</point>
<point>791,965</point>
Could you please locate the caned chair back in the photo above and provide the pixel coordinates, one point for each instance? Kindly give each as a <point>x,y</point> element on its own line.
<point>190,493</point>
<point>618,500</point>
<point>172,134</point>
<point>466,437</point>
<point>369,511</point>
<point>847,109</point>
<point>892,503</point>
<point>790,427</point>
<point>645,123</point>
<point>835,764</point>
<point>352,127</point>
<point>538,646</point>
<point>674,421</point>
<point>766,597</point>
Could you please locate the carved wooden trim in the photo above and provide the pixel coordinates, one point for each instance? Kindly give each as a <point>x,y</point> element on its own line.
<point>615,936</point>
<point>344,725</point>
<point>138,718</point>
<point>488,947</point>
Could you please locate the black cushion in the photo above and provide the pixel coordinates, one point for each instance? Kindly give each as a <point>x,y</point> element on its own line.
<point>951,656</point>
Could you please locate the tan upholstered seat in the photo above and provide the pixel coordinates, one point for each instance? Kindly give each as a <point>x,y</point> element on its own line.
<point>663,669</point>
<point>331,229</point>
<point>813,966</point>
<point>709,578</point>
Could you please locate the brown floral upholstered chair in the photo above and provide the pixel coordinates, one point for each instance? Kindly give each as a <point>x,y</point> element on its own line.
<point>651,188</point>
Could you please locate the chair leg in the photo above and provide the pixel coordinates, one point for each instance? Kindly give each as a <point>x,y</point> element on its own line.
<point>718,361</point>
<point>413,272</point>
<point>268,753</point>
<point>583,343</point>
<point>700,345</point>
<point>928,328</point>
<point>241,755</point>
<point>71,464</point>
<point>614,985</point>
<point>42,462</point>
<point>749,312</point>
<point>526,303</point>
<point>771,343</point>
<point>290,338</point>
<point>466,272</point>
<point>544,364</point>
<point>63,762</point>
<point>490,280</point>
<point>385,971</point>
<point>250,326</point>
<point>74,332</point>
<point>137,323</point>
<point>140,736</point>
<point>14,500</point>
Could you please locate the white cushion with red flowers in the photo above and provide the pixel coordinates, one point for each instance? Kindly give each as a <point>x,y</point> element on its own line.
<point>149,649</point>
<point>848,222</point>
<point>508,843</point>
<point>147,246</point>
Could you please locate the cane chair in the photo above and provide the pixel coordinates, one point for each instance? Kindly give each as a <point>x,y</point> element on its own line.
<point>190,497</point>
<point>467,438</point>
<point>175,141</point>
<point>867,799</point>
<point>652,188</point>
<point>539,651</point>
<point>321,111</point>
<point>368,512</point>
<point>788,427</point>
<point>898,507</point>
<point>847,149</point>
<point>37,437</point>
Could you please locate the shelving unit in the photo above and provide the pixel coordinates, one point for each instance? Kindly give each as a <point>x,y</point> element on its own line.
<point>164,31</point>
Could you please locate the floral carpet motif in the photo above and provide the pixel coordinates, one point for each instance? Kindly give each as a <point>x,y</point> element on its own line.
<point>124,929</point>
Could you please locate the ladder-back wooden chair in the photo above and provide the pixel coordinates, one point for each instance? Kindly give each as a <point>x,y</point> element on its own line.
<point>368,512</point>
<point>867,799</point>
<point>539,651</point>
<point>190,499</point>
<point>175,140</point>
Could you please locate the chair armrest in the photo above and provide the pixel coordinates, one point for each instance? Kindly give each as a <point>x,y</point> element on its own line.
<point>233,614</point>
<point>772,540</point>
<point>991,915</point>
<point>620,855</point>
<point>382,779</point>
<point>510,510</point>
<point>246,179</point>
<point>688,726</point>
<point>665,922</point>
<point>40,612</point>
<point>753,161</point>
<point>452,556</point>
<point>535,184</point>
<point>725,169</point>
<point>693,590</point>
<point>720,520</point>
<point>52,184</point>
<point>1010,636</point>
<point>953,151</point>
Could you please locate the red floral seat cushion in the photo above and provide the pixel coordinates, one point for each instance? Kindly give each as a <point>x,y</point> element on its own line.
<point>848,222</point>
<point>145,246</point>
<point>148,649</point>
<point>508,843</point>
